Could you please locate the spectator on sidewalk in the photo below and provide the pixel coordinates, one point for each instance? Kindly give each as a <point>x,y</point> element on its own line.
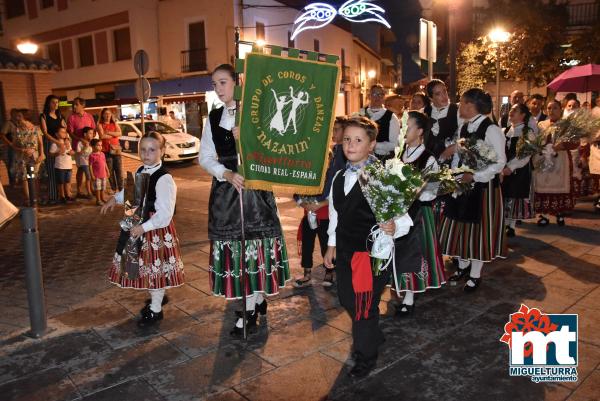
<point>76,122</point>
<point>174,122</point>
<point>50,121</point>
<point>7,137</point>
<point>82,159</point>
<point>63,165</point>
<point>29,151</point>
<point>109,132</point>
<point>98,171</point>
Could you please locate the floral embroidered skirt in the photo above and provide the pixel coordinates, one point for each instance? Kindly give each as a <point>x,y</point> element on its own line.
<point>266,265</point>
<point>432,265</point>
<point>160,262</point>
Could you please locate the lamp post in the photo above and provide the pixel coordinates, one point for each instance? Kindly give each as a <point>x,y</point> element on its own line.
<point>498,36</point>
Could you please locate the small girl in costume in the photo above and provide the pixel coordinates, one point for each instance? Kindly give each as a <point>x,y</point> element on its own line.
<point>160,264</point>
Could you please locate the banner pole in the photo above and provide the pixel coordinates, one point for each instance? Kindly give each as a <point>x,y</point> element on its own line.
<point>243,236</point>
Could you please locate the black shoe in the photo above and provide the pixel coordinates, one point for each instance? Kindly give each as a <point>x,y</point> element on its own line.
<point>250,323</point>
<point>149,301</point>
<point>543,221</point>
<point>361,368</point>
<point>468,289</point>
<point>149,317</point>
<point>328,280</point>
<point>459,275</point>
<point>259,308</point>
<point>560,220</point>
<point>404,310</point>
<point>597,206</point>
<point>519,222</point>
<point>510,232</point>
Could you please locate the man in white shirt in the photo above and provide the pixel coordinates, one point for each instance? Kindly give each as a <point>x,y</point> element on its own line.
<point>388,137</point>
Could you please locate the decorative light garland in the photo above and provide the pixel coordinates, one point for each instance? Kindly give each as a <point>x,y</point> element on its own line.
<point>317,15</point>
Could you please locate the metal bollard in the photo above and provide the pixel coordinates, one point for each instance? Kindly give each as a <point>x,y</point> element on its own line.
<point>33,273</point>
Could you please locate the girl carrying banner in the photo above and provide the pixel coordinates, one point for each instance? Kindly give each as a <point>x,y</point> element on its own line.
<point>266,255</point>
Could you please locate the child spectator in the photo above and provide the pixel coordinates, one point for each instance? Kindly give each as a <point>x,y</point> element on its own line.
<point>82,156</point>
<point>98,170</point>
<point>63,165</point>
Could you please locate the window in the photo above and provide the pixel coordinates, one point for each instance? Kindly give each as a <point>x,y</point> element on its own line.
<point>54,53</point>
<point>194,59</point>
<point>317,45</point>
<point>260,31</point>
<point>86,51</point>
<point>46,3</point>
<point>343,57</point>
<point>290,41</point>
<point>122,44</point>
<point>15,8</point>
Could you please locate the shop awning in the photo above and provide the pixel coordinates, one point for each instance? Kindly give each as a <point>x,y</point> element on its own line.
<point>179,86</point>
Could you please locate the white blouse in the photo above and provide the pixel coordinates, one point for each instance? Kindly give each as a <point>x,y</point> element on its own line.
<point>166,197</point>
<point>208,158</point>
<point>403,223</point>
<point>496,140</point>
<point>383,148</point>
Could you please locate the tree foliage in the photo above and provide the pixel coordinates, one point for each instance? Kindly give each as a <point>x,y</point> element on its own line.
<point>533,53</point>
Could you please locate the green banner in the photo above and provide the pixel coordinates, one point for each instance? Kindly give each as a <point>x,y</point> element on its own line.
<point>286,119</point>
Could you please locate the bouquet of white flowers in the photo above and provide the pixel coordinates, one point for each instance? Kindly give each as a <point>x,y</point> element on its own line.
<point>475,153</point>
<point>448,180</point>
<point>390,190</point>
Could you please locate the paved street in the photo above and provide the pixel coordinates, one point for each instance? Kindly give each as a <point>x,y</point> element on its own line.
<point>448,350</point>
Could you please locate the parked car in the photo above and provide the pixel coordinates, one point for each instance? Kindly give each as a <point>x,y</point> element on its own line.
<point>179,145</point>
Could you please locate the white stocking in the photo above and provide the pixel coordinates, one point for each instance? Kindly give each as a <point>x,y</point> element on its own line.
<point>409,298</point>
<point>156,297</point>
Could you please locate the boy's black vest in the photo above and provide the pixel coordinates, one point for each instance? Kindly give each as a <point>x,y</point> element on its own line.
<point>467,207</point>
<point>223,140</point>
<point>383,125</point>
<point>148,207</point>
<point>447,125</point>
<point>355,218</point>
<point>518,184</point>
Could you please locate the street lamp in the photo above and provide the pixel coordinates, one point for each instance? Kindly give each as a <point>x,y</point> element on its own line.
<point>371,74</point>
<point>27,47</point>
<point>497,37</point>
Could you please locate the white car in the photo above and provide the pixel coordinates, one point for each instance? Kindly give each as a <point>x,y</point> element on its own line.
<point>180,146</point>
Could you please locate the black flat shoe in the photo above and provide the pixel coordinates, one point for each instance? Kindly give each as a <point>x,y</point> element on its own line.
<point>404,310</point>
<point>469,289</point>
<point>149,318</point>
<point>543,221</point>
<point>149,301</point>
<point>259,308</point>
<point>560,220</point>
<point>250,323</point>
<point>519,222</point>
<point>361,369</point>
<point>510,232</point>
<point>459,275</point>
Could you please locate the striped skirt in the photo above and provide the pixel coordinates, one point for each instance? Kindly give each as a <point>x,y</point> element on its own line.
<point>516,208</point>
<point>432,265</point>
<point>160,262</point>
<point>483,241</point>
<point>266,264</point>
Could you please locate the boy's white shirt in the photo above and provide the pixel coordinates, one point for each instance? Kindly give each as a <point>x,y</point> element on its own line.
<point>403,223</point>
<point>166,197</point>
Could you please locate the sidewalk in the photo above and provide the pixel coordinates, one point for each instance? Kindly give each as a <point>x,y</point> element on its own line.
<point>448,350</point>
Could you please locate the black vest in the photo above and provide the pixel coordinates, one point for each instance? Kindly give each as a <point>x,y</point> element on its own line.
<point>448,125</point>
<point>383,125</point>
<point>223,140</point>
<point>355,218</point>
<point>517,185</point>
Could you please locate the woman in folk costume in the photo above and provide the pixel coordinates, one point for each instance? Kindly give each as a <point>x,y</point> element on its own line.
<point>516,175</point>
<point>160,264</point>
<point>266,256</point>
<point>350,222</point>
<point>431,265</point>
<point>554,192</point>
<point>472,227</point>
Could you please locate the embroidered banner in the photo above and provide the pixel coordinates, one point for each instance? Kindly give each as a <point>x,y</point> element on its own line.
<point>285,124</point>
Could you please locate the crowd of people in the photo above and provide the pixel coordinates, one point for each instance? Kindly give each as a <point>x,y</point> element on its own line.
<point>46,148</point>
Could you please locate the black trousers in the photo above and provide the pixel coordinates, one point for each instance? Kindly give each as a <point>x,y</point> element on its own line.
<point>308,241</point>
<point>366,333</point>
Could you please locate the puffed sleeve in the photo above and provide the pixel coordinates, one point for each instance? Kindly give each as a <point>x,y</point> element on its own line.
<point>208,158</point>
<point>166,196</point>
<point>497,141</point>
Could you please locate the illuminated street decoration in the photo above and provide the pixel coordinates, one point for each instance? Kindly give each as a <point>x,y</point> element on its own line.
<point>317,15</point>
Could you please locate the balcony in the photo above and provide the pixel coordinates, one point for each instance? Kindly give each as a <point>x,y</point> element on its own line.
<point>345,74</point>
<point>583,14</point>
<point>193,60</point>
